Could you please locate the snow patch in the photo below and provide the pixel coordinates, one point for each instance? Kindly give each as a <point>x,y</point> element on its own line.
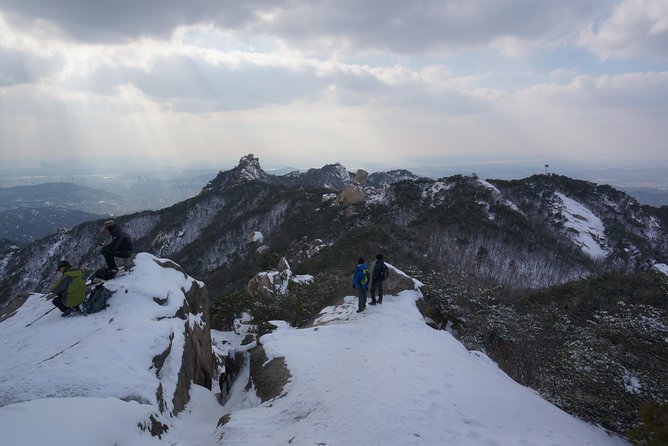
<point>584,228</point>
<point>661,267</point>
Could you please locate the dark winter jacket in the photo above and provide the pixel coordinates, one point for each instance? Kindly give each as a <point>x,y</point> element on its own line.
<point>71,287</point>
<point>377,269</point>
<point>120,242</point>
<point>359,279</point>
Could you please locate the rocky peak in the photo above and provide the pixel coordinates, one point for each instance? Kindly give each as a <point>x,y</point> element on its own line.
<point>379,179</point>
<point>248,169</point>
<point>331,176</point>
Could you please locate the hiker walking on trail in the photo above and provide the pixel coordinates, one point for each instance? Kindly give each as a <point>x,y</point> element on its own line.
<point>361,283</point>
<point>119,246</point>
<point>70,289</point>
<point>380,272</point>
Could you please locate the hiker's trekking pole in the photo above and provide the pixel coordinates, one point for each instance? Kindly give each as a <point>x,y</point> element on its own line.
<point>41,316</point>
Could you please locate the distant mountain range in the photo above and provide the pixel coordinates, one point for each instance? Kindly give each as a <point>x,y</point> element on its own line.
<point>60,195</point>
<point>24,225</point>
<point>28,213</point>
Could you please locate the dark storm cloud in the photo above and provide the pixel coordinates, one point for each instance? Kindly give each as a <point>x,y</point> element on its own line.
<point>406,26</point>
<point>122,20</point>
<point>394,25</point>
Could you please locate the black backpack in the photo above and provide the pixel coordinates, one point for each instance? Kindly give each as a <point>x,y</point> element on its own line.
<point>96,300</point>
<point>383,273</point>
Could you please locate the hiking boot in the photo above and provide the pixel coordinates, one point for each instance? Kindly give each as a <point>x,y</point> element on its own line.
<point>66,312</point>
<point>380,301</point>
<point>360,310</point>
<point>372,303</point>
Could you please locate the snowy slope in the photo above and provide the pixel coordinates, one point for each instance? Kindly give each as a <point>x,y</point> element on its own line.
<point>381,377</point>
<point>62,372</point>
<point>585,229</point>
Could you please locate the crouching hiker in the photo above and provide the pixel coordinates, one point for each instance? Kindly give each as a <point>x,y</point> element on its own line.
<point>119,246</point>
<point>70,289</point>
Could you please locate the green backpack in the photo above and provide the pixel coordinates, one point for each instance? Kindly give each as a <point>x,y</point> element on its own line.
<point>365,276</point>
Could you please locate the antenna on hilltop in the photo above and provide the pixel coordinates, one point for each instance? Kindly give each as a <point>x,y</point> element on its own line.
<point>546,166</point>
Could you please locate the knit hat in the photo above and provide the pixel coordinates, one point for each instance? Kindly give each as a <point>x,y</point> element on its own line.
<point>63,264</point>
<point>379,256</point>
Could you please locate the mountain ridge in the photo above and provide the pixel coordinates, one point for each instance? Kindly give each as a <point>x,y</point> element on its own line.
<point>519,235</point>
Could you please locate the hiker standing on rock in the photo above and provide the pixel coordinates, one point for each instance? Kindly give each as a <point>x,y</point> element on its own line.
<point>119,246</point>
<point>361,282</point>
<point>70,289</point>
<point>380,272</point>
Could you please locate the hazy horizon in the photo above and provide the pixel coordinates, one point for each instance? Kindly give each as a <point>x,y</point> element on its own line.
<point>303,84</point>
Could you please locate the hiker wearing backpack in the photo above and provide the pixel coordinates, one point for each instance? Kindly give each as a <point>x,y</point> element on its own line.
<point>380,273</point>
<point>70,289</point>
<point>119,246</point>
<point>361,283</point>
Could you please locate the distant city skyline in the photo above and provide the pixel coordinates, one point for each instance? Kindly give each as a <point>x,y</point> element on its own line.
<point>306,84</point>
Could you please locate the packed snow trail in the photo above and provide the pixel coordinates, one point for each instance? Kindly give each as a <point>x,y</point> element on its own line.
<point>383,377</point>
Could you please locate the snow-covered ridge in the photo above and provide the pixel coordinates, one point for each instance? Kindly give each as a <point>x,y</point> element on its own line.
<point>383,377</point>
<point>385,366</point>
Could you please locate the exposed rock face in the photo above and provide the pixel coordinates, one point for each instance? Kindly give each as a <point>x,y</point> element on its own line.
<point>231,368</point>
<point>198,364</point>
<point>353,194</point>
<point>269,377</point>
<point>361,177</point>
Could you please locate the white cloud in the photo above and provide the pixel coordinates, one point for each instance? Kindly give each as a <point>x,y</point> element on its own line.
<point>636,28</point>
<point>407,78</point>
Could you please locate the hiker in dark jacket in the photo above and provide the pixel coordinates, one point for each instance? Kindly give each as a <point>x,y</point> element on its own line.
<point>70,289</point>
<point>361,283</point>
<point>119,246</point>
<point>380,272</point>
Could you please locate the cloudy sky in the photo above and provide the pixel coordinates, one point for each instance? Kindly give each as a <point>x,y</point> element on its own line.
<point>305,83</point>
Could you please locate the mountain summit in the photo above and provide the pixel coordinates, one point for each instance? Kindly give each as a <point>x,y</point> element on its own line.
<point>248,169</point>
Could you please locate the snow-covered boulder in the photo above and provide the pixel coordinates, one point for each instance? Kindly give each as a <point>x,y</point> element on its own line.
<point>270,283</point>
<point>146,348</point>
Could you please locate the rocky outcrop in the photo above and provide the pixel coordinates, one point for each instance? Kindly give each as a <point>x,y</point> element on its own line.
<point>247,170</point>
<point>270,283</point>
<point>269,377</point>
<point>355,192</point>
<point>197,365</point>
<point>197,361</point>
<point>361,177</point>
